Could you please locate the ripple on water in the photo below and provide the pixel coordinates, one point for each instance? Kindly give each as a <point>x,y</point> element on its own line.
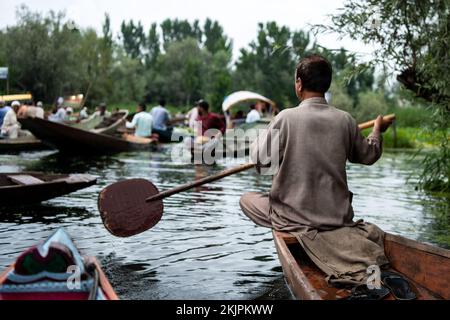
<point>204,247</point>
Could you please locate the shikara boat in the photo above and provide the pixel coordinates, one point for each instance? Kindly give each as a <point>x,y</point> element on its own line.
<point>28,143</point>
<point>111,124</point>
<point>55,270</point>
<point>236,142</point>
<point>26,188</point>
<point>72,140</point>
<point>87,124</point>
<point>424,266</point>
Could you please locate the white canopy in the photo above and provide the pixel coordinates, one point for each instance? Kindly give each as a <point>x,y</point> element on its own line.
<point>243,96</point>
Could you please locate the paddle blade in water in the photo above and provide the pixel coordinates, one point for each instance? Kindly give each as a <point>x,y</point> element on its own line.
<point>123,208</point>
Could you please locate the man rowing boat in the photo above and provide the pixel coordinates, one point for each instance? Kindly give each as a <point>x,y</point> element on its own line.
<point>310,194</point>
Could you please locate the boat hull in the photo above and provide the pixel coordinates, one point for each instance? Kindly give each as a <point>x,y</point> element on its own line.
<point>425,267</point>
<point>53,186</point>
<point>72,140</point>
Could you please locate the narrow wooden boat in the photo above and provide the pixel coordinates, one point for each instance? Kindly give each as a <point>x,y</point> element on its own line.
<point>235,144</point>
<point>33,187</point>
<point>55,270</point>
<point>111,124</point>
<point>87,124</point>
<point>21,144</point>
<point>426,268</point>
<point>72,140</point>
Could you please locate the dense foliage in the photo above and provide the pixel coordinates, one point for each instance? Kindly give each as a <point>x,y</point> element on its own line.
<point>180,60</point>
<point>413,40</point>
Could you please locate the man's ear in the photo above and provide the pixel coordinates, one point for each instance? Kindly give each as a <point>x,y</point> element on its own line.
<point>298,87</point>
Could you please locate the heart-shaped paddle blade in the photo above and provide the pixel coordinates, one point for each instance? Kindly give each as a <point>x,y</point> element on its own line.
<point>123,208</point>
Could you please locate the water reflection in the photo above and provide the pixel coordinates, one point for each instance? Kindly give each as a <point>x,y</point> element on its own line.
<point>42,214</point>
<point>204,247</point>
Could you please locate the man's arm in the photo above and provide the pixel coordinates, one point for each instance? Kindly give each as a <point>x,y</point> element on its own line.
<point>368,150</point>
<point>267,149</point>
<point>132,124</point>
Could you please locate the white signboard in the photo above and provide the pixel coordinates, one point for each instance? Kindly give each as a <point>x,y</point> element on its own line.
<point>3,73</point>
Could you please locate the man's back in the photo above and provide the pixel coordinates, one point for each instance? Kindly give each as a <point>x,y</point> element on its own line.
<point>143,123</point>
<point>212,121</point>
<point>160,117</point>
<point>310,187</point>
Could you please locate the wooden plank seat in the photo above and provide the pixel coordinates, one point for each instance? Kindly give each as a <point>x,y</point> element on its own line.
<point>25,180</point>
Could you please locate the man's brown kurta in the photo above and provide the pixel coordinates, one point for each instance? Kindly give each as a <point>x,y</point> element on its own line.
<point>310,196</point>
<point>310,188</point>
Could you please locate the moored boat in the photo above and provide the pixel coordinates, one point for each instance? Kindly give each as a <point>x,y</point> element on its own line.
<point>111,124</point>
<point>27,143</point>
<point>73,140</point>
<point>26,188</point>
<point>424,266</point>
<point>55,270</point>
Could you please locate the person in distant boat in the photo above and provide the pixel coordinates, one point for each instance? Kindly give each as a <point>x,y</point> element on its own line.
<point>59,102</point>
<point>3,111</point>
<point>209,120</point>
<point>28,110</point>
<point>59,114</point>
<point>161,117</point>
<point>310,196</point>
<point>84,113</point>
<point>142,122</point>
<point>192,117</point>
<point>102,111</point>
<point>11,127</point>
<point>253,116</point>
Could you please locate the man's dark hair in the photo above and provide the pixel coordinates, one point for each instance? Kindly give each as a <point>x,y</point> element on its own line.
<point>253,106</point>
<point>315,72</point>
<point>143,106</point>
<point>203,104</point>
<point>162,102</point>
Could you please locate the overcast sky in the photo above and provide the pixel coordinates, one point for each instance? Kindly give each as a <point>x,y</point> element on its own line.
<point>238,17</point>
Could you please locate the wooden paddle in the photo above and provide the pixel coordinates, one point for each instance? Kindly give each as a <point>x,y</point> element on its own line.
<point>131,207</point>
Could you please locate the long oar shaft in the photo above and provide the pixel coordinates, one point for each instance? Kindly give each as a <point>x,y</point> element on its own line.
<point>229,172</point>
<point>200,182</point>
<point>370,124</point>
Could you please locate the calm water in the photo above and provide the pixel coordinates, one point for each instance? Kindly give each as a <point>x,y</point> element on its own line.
<point>204,247</point>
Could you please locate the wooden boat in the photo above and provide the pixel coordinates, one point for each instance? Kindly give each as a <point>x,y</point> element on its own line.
<point>72,140</point>
<point>426,268</point>
<point>100,124</point>
<point>87,124</point>
<point>40,280</point>
<point>28,143</point>
<point>111,124</point>
<point>33,187</point>
<point>236,142</point>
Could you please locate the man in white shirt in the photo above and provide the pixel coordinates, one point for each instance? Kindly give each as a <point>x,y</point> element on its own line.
<point>84,114</point>
<point>253,116</point>
<point>142,122</point>
<point>11,126</point>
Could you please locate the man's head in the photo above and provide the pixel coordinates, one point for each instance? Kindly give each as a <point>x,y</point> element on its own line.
<point>15,105</point>
<point>162,102</point>
<point>203,107</point>
<point>2,103</point>
<point>313,76</point>
<point>253,106</point>
<point>40,104</point>
<point>141,107</point>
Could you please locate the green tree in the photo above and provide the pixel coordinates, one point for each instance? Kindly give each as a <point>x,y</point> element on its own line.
<point>183,71</point>
<point>215,39</point>
<point>179,30</point>
<point>133,39</point>
<point>412,39</point>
